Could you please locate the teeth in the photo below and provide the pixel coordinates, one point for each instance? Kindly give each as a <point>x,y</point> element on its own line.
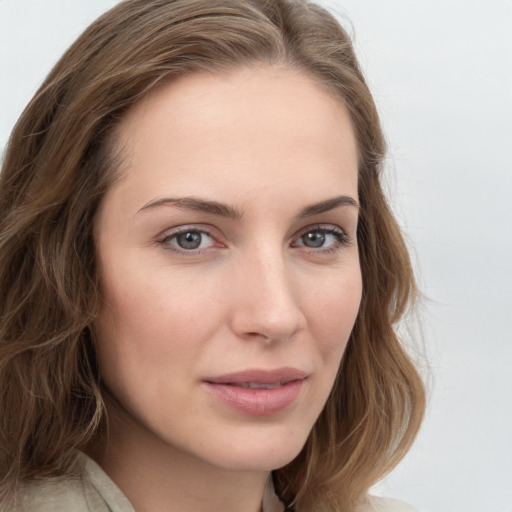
<point>254,385</point>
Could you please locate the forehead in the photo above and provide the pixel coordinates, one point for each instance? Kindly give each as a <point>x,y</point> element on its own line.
<point>256,127</point>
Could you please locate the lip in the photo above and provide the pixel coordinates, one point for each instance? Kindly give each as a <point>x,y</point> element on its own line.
<point>231,389</point>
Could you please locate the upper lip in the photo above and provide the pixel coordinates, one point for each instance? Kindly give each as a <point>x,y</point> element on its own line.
<point>260,376</point>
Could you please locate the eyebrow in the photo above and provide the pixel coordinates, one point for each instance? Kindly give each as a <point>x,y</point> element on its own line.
<point>224,210</point>
<point>197,205</point>
<point>327,205</point>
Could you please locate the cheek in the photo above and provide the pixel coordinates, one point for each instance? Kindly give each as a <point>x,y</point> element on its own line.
<point>150,320</point>
<point>335,308</point>
<point>142,340</point>
<point>332,320</point>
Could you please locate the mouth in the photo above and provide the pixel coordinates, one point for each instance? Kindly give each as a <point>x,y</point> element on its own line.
<point>260,377</point>
<point>258,392</point>
<point>256,385</point>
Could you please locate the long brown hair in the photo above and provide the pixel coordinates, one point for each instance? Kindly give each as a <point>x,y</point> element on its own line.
<point>58,165</point>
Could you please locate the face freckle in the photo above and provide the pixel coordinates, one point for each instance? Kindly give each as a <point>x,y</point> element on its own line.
<point>229,266</point>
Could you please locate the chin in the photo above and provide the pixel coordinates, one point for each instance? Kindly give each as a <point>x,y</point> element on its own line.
<point>262,451</point>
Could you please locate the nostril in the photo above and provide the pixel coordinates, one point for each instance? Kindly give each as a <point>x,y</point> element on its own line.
<point>268,331</point>
<point>267,306</point>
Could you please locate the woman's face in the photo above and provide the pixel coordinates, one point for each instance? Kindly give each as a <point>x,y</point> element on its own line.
<point>229,265</point>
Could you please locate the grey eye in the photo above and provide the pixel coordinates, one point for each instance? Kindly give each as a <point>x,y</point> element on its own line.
<point>189,240</point>
<point>313,239</point>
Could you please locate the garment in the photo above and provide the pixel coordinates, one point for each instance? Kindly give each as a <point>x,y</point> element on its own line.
<point>94,491</point>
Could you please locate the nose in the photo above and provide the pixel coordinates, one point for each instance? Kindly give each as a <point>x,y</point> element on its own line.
<point>267,303</point>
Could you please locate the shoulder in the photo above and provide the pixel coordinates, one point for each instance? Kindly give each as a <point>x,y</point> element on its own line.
<point>376,504</point>
<point>90,491</point>
<point>53,495</point>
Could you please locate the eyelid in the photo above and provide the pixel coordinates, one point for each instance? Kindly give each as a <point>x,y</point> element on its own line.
<point>164,239</point>
<point>343,239</point>
<point>341,236</point>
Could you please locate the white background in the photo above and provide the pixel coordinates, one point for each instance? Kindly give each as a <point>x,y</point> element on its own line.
<point>441,73</point>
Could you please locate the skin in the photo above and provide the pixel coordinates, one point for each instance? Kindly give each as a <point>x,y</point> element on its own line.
<point>259,291</point>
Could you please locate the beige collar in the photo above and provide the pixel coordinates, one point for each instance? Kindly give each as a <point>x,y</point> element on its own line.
<point>271,503</point>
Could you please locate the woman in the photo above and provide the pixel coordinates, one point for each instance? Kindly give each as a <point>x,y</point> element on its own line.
<point>200,272</point>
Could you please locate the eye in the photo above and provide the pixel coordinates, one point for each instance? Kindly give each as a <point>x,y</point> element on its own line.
<point>188,240</point>
<point>323,238</point>
<point>314,239</point>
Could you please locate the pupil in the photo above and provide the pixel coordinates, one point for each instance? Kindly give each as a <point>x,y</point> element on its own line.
<point>314,239</point>
<point>190,240</point>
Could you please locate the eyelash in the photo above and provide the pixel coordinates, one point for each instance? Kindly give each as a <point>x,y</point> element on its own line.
<point>342,240</point>
<point>165,241</point>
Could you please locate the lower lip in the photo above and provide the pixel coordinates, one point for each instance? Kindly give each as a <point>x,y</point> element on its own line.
<point>256,402</point>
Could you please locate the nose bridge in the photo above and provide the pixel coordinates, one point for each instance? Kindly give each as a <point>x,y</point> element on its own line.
<point>268,304</point>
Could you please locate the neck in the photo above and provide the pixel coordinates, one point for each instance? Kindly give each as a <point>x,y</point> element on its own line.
<point>158,477</point>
